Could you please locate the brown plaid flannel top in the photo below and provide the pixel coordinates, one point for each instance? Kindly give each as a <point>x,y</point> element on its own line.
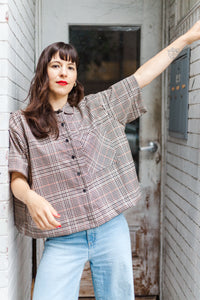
<point>87,174</point>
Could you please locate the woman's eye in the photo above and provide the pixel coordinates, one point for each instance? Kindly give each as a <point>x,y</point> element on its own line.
<point>55,66</point>
<point>71,68</point>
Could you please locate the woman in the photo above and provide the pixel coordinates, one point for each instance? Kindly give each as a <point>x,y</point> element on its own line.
<point>73,175</point>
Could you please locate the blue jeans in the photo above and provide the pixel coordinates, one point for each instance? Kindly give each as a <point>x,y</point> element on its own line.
<point>108,250</point>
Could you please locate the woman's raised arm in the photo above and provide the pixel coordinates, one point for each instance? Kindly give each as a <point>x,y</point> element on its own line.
<point>156,65</point>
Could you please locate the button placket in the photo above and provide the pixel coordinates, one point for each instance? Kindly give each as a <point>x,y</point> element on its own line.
<point>70,128</point>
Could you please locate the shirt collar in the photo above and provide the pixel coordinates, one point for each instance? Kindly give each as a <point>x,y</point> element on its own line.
<point>67,109</point>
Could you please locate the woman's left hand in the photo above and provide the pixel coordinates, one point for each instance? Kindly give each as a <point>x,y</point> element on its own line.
<point>193,34</point>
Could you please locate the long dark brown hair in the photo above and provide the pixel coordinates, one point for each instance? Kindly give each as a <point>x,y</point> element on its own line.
<point>39,113</point>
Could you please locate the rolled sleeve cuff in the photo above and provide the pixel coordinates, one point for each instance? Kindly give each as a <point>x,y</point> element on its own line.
<point>18,165</point>
<point>138,105</point>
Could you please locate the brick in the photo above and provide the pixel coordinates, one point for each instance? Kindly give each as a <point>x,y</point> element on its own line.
<point>3,244</point>
<point>183,165</point>
<point>4,121</point>
<point>3,157</point>
<point>195,54</point>
<point>183,191</point>
<point>17,74</point>
<point>184,247</point>
<point>195,68</point>
<point>4,138</point>
<point>4,178</point>
<point>3,210</point>
<point>182,276</point>
<point>4,293</point>
<point>194,97</point>
<point>17,27</point>
<point>178,290</point>
<point>3,86</point>
<point>182,216</point>
<point>184,151</point>
<point>3,279</point>
<point>194,126</point>
<point>8,104</point>
<point>4,31</point>
<point>4,49</point>
<point>3,13</point>
<point>3,226</point>
<point>193,112</point>
<point>3,263</point>
<point>29,7</point>
<point>4,192</point>
<point>186,179</point>
<point>194,83</point>
<point>3,68</point>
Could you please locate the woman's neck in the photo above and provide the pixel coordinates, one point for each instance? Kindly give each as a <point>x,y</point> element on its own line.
<point>58,103</point>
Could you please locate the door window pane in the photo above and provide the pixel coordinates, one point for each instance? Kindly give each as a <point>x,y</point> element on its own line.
<point>107,55</point>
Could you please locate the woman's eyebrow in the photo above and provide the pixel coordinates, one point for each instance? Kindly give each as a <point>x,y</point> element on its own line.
<point>55,61</point>
<point>59,62</point>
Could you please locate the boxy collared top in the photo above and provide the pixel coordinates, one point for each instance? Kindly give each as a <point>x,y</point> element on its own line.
<point>87,174</point>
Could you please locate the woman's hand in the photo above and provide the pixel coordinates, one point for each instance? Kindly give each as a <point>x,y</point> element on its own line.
<point>41,211</point>
<point>193,34</point>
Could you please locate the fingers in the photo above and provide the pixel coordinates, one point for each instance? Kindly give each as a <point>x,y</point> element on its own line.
<point>47,222</point>
<point>54,212</point>
<point>42,213</point>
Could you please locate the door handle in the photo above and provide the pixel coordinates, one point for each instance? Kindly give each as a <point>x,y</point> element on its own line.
<point>152,147</point>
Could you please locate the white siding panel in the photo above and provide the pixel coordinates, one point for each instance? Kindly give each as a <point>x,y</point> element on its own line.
<point>181,260</point>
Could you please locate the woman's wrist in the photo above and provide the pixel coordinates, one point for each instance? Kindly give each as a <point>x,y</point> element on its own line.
<point>186,39</point>
<point>28,196</point>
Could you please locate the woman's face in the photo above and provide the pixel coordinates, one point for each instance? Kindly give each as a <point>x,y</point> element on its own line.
<point>62,77</point>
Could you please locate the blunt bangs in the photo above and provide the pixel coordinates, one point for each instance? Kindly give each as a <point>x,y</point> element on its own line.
<point>66,52</point>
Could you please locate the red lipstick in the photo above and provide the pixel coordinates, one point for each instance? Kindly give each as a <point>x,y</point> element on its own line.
<point>62,82</point>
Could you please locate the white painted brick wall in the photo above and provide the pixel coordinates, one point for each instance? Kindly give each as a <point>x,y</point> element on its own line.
<point>181,261</point>
<point>17,47</point>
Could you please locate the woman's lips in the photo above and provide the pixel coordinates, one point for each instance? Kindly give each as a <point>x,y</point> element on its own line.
<point>62,82</point>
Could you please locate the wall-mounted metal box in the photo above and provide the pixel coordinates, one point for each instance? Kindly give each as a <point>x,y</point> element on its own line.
<point>179,81</point>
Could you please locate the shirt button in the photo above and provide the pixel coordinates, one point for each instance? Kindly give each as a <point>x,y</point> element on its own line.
<point>62,124</point>
<point>78,173</point>
<point>84,190</point>
<point>67,140</point>
<point>73,156</point>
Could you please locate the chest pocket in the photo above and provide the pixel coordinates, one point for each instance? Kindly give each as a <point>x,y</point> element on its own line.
<point>98,150</point>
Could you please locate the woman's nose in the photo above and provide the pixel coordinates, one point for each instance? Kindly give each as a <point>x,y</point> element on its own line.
<point>64,71</point>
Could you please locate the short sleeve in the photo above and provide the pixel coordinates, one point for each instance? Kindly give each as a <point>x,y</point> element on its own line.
<point>123,100</point>
<point>18,154</point>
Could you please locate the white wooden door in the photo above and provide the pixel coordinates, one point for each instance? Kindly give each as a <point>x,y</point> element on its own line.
<point>54,20</point>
